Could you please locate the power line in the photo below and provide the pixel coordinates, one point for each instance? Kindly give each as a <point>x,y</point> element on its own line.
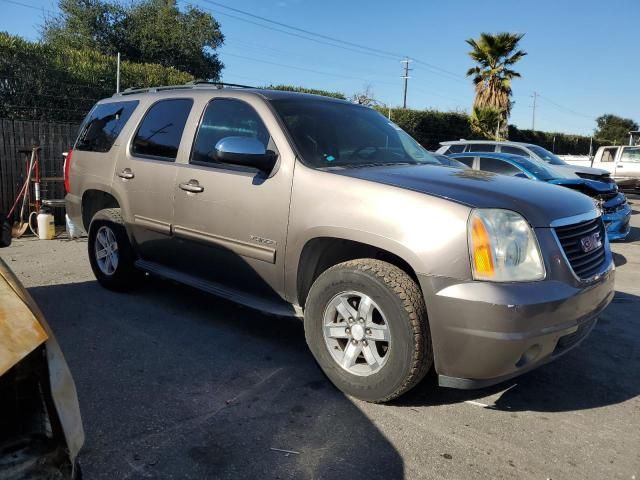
<point>293,67</point>
<point>302,30</point>
<point>336,42</point>
<point>561,107</point>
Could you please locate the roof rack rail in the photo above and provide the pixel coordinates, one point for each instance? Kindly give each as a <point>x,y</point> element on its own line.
<point>192,84</point>
<point>218,84</point>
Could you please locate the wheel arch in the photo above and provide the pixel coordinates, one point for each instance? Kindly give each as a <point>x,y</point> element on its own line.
<point>322,252</point>
<point>93,201</point>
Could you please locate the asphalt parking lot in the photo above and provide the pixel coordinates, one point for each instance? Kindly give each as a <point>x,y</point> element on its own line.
<point>174,383</point>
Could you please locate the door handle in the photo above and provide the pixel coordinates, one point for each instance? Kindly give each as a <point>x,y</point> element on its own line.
<point>126,174</point>
<point>619,166</point>
<point>192,186</point>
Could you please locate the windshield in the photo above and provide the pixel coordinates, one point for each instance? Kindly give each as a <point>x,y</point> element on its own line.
<point>333,134</point>
<point>535,168</point>
<point>546,155</point>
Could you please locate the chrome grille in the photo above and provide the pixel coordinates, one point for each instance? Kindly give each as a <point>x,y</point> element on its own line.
<point>584,264</point>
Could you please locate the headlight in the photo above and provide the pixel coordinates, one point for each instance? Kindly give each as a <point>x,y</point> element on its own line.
<point>502,247</point>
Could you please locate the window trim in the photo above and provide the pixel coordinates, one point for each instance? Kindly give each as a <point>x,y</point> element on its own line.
<point>223,165</point>
<point>157,157</point>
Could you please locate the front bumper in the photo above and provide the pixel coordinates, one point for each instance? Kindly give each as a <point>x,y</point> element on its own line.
<point>617,223</point>
<point>484,333</point>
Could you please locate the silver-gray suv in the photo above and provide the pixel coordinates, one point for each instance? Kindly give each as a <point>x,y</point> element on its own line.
<point>303,205</point>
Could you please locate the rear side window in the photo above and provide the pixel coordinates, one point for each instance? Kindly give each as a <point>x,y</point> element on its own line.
<point>609,154</point>
<point>160,131</point>
<point>498,166</point>
<point>514,151</point>
<point>103,125</point>
<point>481,147</point>
<point>468,161</point>
<point>456,148</point>
<point>222,118</point>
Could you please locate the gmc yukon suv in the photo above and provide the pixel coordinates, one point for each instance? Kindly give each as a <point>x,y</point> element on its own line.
<point>302,205</point>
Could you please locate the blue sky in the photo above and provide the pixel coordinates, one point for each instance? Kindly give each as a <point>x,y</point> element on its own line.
<point>582,54</point>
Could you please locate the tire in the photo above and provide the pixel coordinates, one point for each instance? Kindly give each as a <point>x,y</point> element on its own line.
<point>118,273</point>
<point>395,353</point>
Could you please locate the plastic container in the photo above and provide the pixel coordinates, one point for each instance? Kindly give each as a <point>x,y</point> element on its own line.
<point>46,225</point>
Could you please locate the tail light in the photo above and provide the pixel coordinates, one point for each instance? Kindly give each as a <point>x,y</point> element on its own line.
<point>67,169</point>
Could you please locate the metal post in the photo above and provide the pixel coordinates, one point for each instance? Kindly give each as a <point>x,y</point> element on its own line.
<point>406,78</point>
<point>533,119</point>
<point>118,75</point>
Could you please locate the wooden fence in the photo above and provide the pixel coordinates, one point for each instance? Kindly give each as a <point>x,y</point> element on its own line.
<point>53,138</point>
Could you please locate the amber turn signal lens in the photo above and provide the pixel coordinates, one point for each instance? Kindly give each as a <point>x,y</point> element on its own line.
<point>481,248</point>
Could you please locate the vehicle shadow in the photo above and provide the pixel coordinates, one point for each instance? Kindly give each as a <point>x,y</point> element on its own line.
<point>175,383</point>
<point>603,370</point>
<point>634,235</point>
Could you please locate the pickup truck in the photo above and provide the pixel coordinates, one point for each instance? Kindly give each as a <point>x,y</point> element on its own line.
<point>623,163</point>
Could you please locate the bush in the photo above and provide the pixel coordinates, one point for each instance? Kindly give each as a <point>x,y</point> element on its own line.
<point>430,127</point>
<point>41,82</point>
<point>313,91</point>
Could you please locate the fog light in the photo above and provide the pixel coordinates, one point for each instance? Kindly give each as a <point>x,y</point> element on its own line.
<point>529,356</point>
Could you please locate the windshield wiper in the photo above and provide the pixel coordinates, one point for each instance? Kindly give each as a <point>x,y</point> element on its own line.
<point>379,164</point>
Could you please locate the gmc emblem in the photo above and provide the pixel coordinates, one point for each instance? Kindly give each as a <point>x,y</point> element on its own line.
<point>590,242</point>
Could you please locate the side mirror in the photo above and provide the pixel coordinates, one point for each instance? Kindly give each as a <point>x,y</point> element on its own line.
<point>245,151</point>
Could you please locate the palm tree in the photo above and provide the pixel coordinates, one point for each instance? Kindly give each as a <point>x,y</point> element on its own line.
<point>492,76</point>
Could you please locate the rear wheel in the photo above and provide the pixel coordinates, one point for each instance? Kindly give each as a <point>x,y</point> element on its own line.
<point>110,252</point>
<point>366,325</point>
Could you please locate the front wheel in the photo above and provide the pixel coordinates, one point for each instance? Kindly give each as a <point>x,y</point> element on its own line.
<point>366,325</point>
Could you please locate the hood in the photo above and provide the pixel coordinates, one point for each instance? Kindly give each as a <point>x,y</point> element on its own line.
<point>539,202</point>
<point>587,185</point>
<point>577,169</point>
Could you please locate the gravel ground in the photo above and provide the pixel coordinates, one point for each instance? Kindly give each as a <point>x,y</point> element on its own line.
<point>174,383</point>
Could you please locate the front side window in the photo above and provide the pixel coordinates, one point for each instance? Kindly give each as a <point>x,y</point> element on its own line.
<point>631,154</point>
<point>546,155</point>
<point>498,166</point>
<point>222,118</point>
<point>160,131</point>
<point>536,168</point>
<point>514,151</point>
<point>331,134</point>
<point>468,161</point>
<point>481,147</point>
<point>102,126</point>
<point>456,148</point>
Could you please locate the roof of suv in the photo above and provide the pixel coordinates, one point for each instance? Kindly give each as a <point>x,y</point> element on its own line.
<point>266,93</point>
<point>489,142</point>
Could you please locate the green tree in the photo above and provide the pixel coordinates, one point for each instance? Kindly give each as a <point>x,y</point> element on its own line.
<point>614,130</point>
<point>145,31</point>
<point>486,122</point>
<point>492,77</point>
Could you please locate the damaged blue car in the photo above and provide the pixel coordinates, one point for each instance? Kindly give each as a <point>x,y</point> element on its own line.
<point>616,212</point>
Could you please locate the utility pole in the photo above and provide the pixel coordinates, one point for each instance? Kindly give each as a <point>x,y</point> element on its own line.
<point>406,77</point>
<point>118,75</point>
<point>533,119</point>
